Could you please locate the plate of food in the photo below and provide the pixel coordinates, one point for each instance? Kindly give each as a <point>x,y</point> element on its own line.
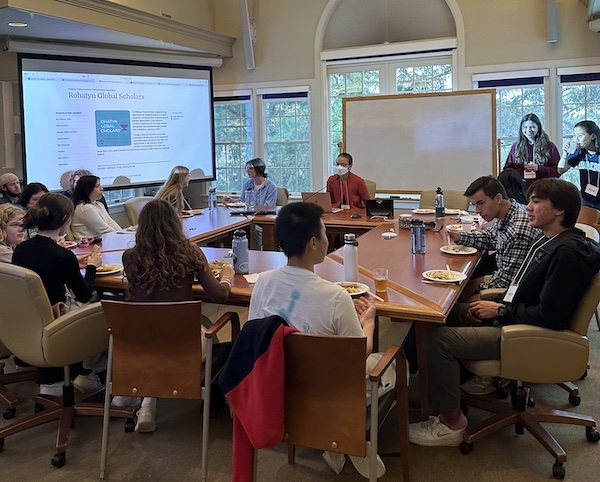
<point>453,211</point>
<point>236,205</point>
<point>195,212</point>
<point>215,266</point>
<point>185,214</point>
<point>455,227</point>
<point>423,211</point>
<point>109,269</point>
<point>70,244</point>
<point>458,249</point>
<point>353,288</point>
<point>444,276</point>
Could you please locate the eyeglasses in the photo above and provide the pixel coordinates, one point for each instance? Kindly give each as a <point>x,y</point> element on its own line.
<point>248,168</point>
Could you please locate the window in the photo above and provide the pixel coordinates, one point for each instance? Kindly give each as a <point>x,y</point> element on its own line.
<point>233,141</point>
<point>287,139</point>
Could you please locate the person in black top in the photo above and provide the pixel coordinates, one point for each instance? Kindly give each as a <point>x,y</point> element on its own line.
<point>58,267</point>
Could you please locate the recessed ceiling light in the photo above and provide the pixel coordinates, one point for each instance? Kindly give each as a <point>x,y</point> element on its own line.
<point>17,24</point>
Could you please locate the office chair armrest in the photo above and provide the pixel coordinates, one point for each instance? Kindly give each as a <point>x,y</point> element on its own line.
<point>384,363</point>
<point>492,293</point>
<point>230,316</point>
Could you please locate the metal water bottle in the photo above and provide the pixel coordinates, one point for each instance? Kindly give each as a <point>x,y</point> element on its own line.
<point>440,207</point>
<point>417,237</point>
<point>250,199</point>
<point>240,252</point>
<point>350,257</point>
<point>212,199</point>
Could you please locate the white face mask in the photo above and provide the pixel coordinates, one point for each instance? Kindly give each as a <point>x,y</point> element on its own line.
<point>341,170</point>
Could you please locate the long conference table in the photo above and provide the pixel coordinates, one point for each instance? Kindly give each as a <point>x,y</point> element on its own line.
<point>408,296</point>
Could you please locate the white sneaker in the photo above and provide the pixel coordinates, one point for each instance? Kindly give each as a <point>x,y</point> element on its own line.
<point>479,386</point>
<point>434,433</point>
<point>87,383</point>
<point>120,401</point>
<point>335,461</point>
<point>145,420</point>
<point>55,389</point>
<point>363,464</point>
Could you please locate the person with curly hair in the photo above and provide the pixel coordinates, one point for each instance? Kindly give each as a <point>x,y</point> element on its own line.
<point>534,156</point>
<point>11,230</point>
<point>162,266</point>
<point>172,190</point>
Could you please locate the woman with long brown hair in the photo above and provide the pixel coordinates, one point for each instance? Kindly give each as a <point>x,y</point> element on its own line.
<point>162,266</point>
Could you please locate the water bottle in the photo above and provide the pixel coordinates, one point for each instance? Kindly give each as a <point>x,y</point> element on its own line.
<point>250,199</point>
<point>240,252</point>
<point>417,237</point>
<point>350,257</point>
<point>440,207</point>
<point>212,199</point>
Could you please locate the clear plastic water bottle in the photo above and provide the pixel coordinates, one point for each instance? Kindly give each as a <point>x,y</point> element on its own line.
<point>350,257</point>
<point>240,252</point>
<point>440,207</point>
<point>250,199</point>
<point>418,243</point>
<point>212,199</point>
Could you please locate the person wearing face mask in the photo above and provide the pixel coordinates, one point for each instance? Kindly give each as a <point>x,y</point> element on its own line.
<point>533,156</point>
<point>347,190</point>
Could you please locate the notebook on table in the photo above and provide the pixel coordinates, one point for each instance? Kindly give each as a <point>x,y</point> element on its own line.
<point>322,199</point>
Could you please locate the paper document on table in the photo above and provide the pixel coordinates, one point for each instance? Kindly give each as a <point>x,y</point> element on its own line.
<point>251,278</point>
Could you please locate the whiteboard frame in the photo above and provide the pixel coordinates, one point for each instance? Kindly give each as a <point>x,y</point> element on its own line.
<point>487,163</point>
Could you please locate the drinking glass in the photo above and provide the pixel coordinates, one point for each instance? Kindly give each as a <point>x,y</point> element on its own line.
<point>380,275</point>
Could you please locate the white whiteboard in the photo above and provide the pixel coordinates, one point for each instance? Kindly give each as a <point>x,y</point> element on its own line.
<point>415,142</point>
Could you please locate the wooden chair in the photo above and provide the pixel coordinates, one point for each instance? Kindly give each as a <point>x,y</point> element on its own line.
<point>452,200</point>
<point>371,187</point>
<point>6,396</point>
<point>156,350</point>
<point>588,215</point>
<point>134,206</point>
<point>283,195</point>
<point>536,355</point>
<point>325,397</point>
<point>30,331</point>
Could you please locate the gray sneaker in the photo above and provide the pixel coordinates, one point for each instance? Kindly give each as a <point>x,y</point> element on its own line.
<point>479,386</point>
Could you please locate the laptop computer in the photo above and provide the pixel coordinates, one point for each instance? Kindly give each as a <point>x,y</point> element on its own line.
<point>322,199</point>
<point>380,208</point>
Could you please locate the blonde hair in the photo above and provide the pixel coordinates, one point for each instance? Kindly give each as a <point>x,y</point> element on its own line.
<point>7,213</point>
<point>171,190</point>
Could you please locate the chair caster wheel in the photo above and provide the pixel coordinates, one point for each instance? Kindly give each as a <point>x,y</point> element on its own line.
<point>465,448</point>
<point>129,426</point>
<point>574,400</point>
<point>558,471</point>
<point>592,434</point>
<point>59,460</point>
<point>9,413</point>
<point>1,444</point>
<point>38,407</point>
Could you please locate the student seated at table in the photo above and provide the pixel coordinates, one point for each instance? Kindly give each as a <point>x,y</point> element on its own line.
<point>544,292</point>
<point>162,266</point>
<point>346,188</point>
<point>73,178</point>
<point>11,230</point>
<point>10,188</point>
<point>31,194</point>
<point>90,217</point>
<point>172,190</point>
<point>308,302</point>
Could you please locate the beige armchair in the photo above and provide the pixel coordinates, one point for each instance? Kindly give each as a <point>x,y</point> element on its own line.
<point>30,331</point>
<point>371,187</point>
<point>536,355</point>
<point>452,200</point>
<point>283,196</point>
<point>134,206</point>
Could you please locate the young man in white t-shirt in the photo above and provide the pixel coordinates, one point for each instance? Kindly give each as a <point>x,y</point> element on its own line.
<point>307,301</point>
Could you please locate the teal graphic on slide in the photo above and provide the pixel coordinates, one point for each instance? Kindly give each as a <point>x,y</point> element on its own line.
<point>113,128</point>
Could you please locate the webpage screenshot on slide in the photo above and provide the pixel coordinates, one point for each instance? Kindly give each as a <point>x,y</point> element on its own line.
<point>129,125</point>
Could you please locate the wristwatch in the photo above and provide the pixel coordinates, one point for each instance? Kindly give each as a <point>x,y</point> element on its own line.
<point>501,311</point>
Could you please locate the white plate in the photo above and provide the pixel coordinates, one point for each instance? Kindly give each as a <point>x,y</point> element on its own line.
<point>458,249</point>
<point>196,211</point>
<point>111,271</point>
<point>360,289</point>
<point>437,275</point>
<point>236,205</point>
<point>423,211</point>
<point>185,214</point>
<point>452,211</point>
<point>70,244</point>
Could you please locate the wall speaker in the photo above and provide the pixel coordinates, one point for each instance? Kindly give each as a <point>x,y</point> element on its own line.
<point>247,35</point>
<point>552,20</point>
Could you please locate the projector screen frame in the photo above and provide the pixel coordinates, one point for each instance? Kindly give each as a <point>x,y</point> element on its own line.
<point>205,73</point>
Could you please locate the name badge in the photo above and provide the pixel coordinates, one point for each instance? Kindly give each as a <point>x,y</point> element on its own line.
<point>529,174</point>
<point>591,190</point>
<point>347,206</point>
<point>510,293</point>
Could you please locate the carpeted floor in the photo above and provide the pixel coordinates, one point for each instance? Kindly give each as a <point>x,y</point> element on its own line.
<point>172,453</point>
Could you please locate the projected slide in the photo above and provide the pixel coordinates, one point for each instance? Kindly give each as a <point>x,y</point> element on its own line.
<point>115,121</point>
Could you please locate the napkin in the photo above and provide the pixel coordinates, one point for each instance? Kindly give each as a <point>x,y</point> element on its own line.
<point>251,278</point>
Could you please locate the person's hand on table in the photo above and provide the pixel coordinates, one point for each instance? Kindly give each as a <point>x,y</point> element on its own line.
<point>95,258</point>
<point>483,310</point>
<point>531,166</point>
<point>365,308</point>
<point>226,273</point>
